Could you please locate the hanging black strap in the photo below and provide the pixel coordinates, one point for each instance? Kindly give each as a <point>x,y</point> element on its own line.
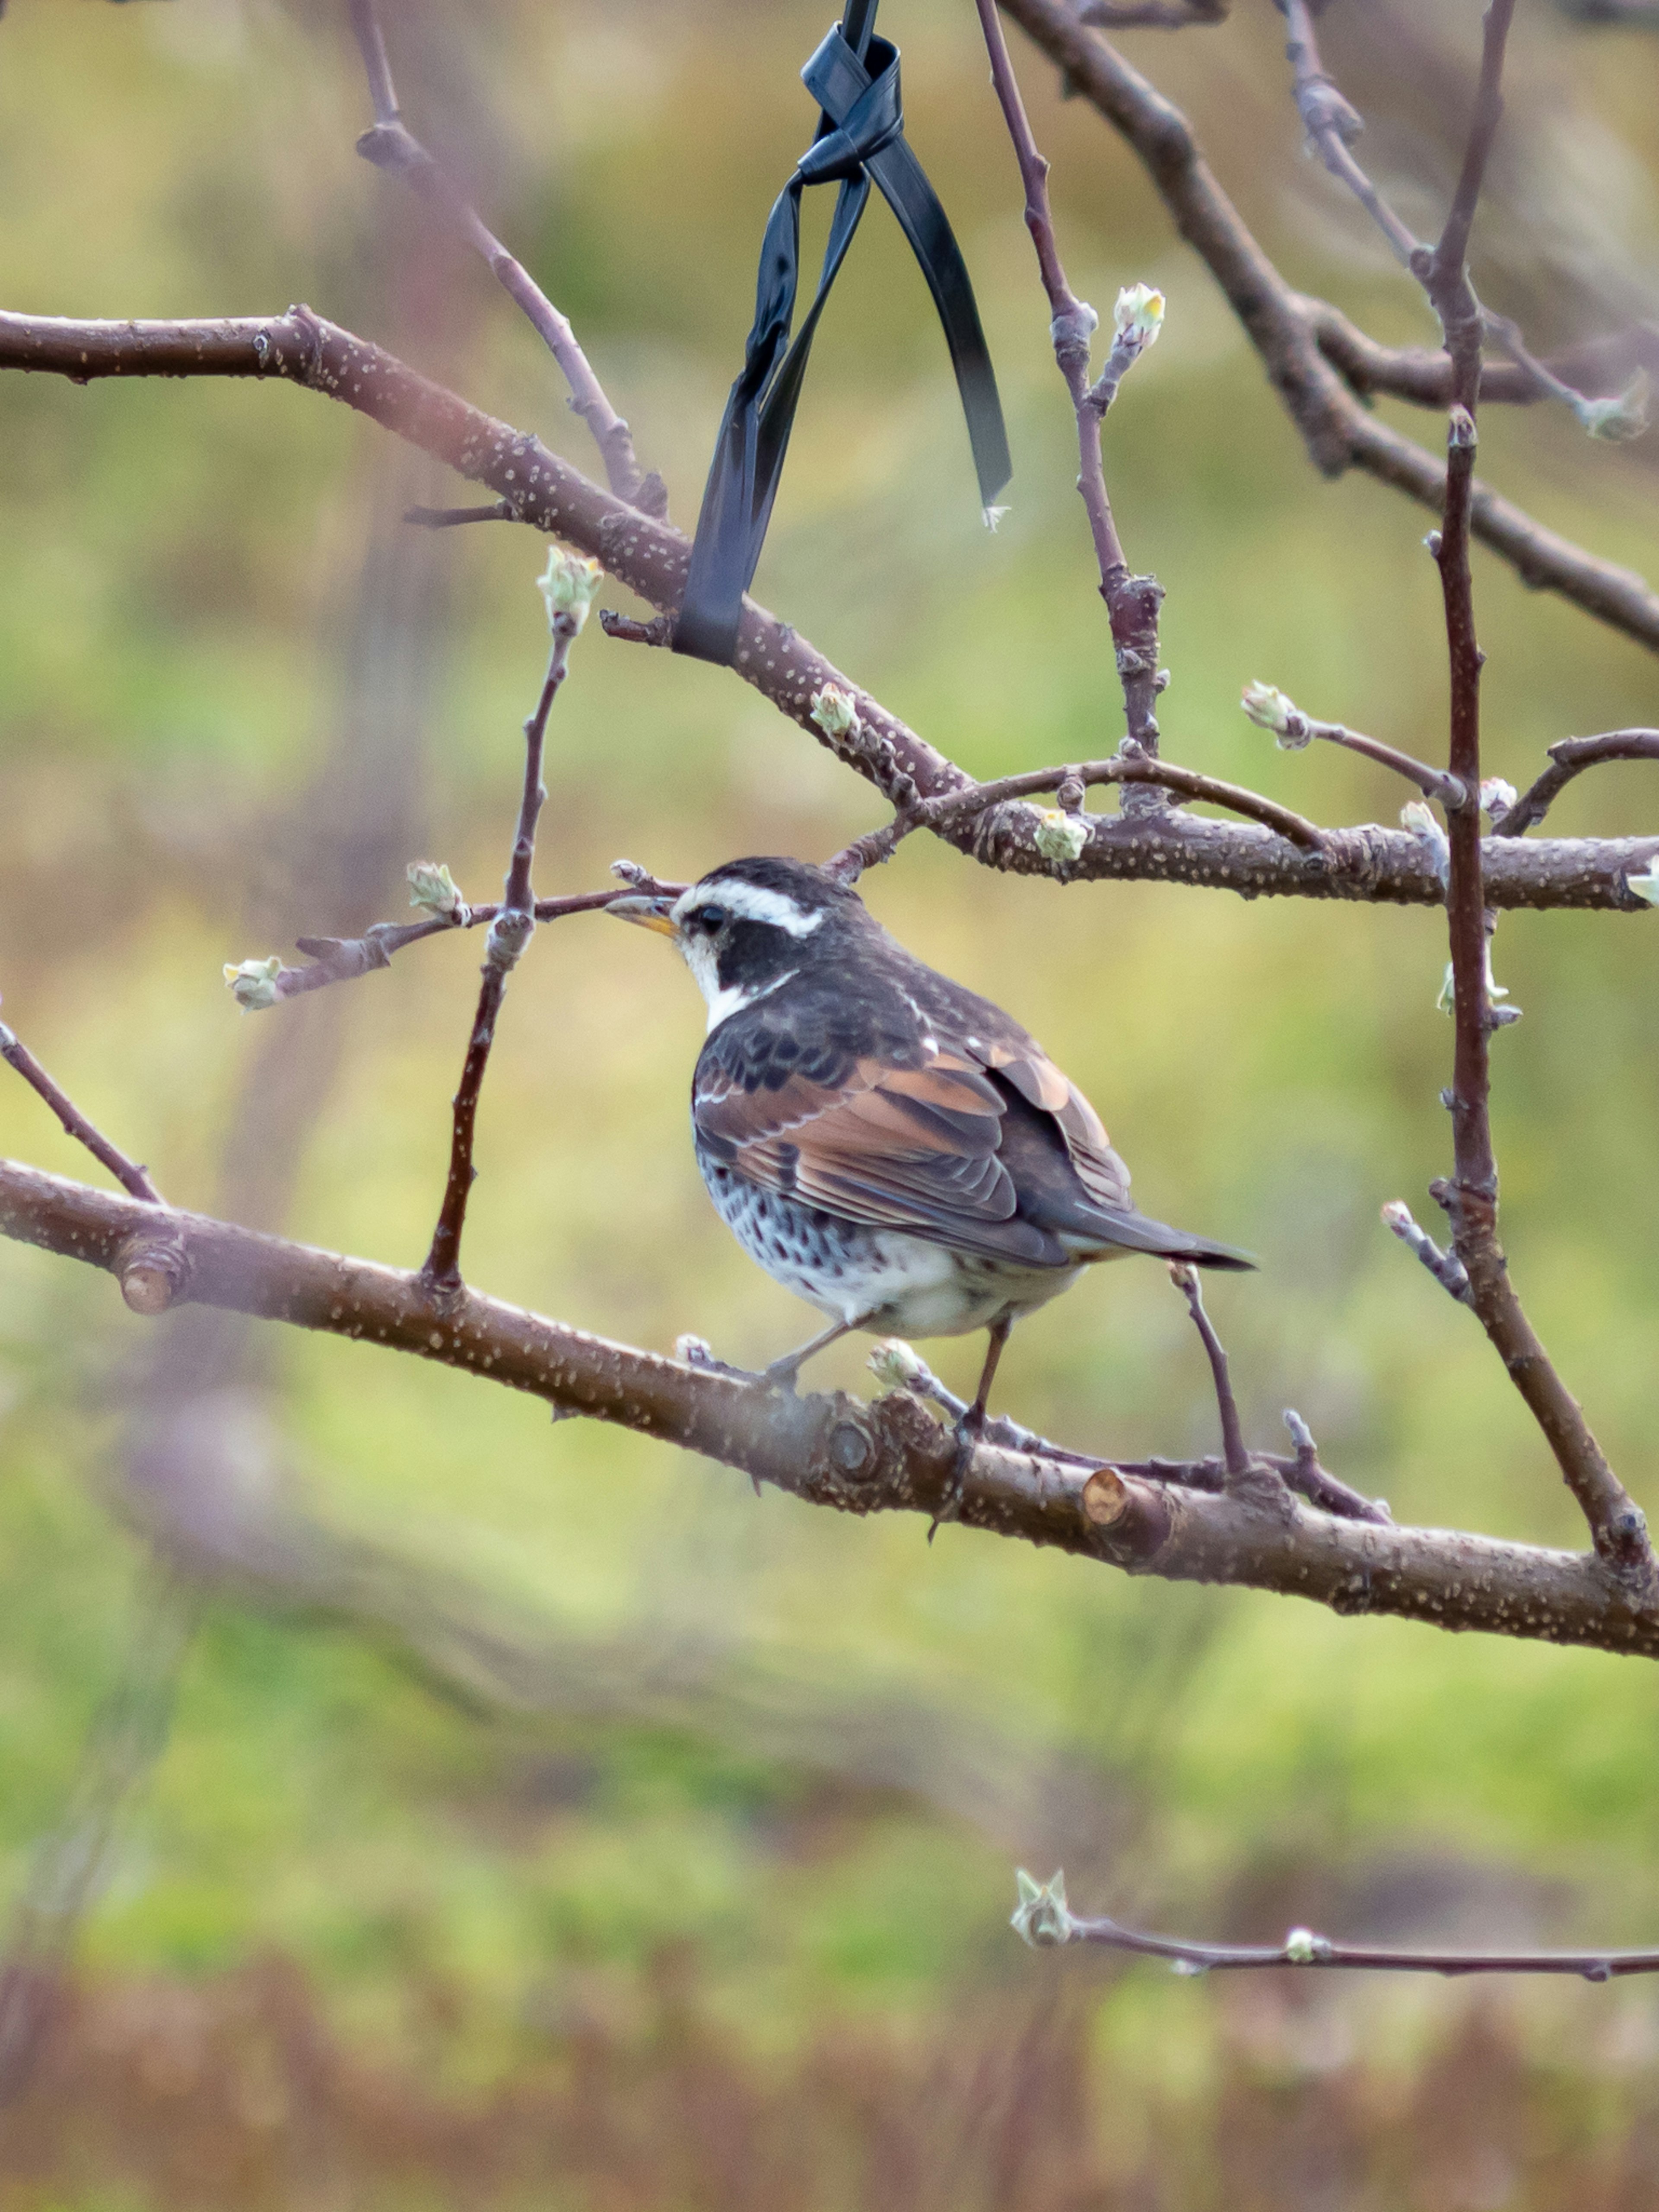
<point>854,78</point>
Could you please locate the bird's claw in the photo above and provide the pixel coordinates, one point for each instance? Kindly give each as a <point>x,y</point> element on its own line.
<point>968,1431</point>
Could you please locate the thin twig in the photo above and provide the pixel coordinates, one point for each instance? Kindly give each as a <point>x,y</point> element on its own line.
<point>951,810</point>
<point>130,1177</point>
<point>1044,1919</point>
<point>451,517</point>
<point>1333,126</point>
<point>1235,1456</point>
<point>1446,1268</point>
<point>1150,15</point>
<point>1271,710</point>
<point>1132,602</point>
<point>392,145</point>
<point>510,932</point>
<point>1617,1526</point>
<point>660,630</point>
<point>1571,756</point>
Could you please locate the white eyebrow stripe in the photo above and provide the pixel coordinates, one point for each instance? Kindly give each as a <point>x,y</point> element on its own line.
<point>750,902</point>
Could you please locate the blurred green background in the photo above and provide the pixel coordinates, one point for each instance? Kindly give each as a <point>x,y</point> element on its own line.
<point>478,1811</point>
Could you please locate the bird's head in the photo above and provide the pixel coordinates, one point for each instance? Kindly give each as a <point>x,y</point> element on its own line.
<point>751,925</point>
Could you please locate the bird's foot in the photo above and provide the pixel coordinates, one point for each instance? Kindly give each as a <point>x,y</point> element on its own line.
<point>781,1374</point>
<point>970,1428</point>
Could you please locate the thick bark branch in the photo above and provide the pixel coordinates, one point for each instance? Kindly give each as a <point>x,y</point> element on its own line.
<point>834,1451</point>
<point>1369,864</point>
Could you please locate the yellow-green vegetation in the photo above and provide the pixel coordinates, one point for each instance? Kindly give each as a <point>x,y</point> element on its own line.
<point>512,1711</point>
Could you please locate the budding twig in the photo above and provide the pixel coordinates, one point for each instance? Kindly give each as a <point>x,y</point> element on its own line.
<point>1132,602</point>
<point>1269,709</point>
<point>1043,1919</point>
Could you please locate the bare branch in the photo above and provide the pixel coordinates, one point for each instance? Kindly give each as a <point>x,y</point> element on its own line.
<point>1617,1525</point>
<point>1571,756</point>
<point>127,1173</point>
<point>509,937</point>
<point>1235,1457</point>
<point>1371,864</point>
<point>890,1457</point>
<point>1333,126</point>
<point>1150,15</point>
<point>451,517</point>
<point>1339,433</point>
<point>390,145</point>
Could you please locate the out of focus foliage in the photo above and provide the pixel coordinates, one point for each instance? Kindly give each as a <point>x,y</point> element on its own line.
<point>496,1739</point>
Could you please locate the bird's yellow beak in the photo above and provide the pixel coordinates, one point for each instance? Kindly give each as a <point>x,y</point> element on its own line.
<point>649,913</point>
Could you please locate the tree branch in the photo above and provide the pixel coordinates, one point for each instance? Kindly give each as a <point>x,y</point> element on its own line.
<point>1617,1525</point>
<point>1571,756</point>
<point>1370,864</point>
<point>1044,1919</point>
<point>127,1173</point>
<point>1339,433</point>
<point>509,937</point>
<point>392,145</point>
<point>834,1451</point>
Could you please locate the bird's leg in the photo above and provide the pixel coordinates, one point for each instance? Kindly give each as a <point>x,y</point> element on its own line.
<point>782,1372</point>
<point>970,1426</point>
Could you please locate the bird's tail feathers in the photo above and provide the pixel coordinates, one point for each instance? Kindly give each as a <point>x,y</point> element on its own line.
<point>1125,1231</point>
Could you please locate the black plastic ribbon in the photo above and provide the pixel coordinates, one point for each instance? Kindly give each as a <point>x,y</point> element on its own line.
<point>854,78</point>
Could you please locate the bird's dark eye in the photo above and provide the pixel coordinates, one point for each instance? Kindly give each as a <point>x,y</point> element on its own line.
<point>712,917</point>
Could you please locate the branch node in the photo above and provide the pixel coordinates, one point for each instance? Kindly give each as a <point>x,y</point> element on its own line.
<point>153,1269</point>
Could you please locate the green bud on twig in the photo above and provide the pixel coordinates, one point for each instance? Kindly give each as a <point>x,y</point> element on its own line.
<point>432,888</point>
<point>570,586</point>
<point>1137,316</point>
<point>894,1364</point>
<point>1060,835</point>
<point>253,983</point>
<point>1269,709</point>
<point>835,713</point>
<point>1041,1918</point>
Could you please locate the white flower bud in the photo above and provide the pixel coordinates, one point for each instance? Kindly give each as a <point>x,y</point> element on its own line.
<point>895,1364</point>
<point>1138,317</point>
<point>1623,417</point>
<point>1496,797</point>
<point>1269,709</point>
<point>432,888</point>
<point>835,713</point>
<point>253,983</point>
<point>1061,837</point>
<point>1304,1948</point>
<point>570,586</point>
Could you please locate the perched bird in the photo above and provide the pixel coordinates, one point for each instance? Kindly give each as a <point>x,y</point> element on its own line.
<point>889,1146</point>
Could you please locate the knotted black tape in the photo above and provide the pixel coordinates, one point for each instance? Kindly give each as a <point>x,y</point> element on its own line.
<point>854,78</point>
